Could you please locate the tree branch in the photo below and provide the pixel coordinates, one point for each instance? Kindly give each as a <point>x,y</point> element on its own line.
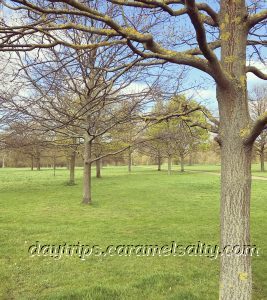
<point>256,72</point>
<point>258,127</point>
<point>257,18</point>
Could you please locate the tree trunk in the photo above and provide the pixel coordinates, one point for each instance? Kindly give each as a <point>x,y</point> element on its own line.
<point>262,161</point>
<point>72,167</point>
<point>159,163</point>
<point>182,162</point>
<point>3,162</point>
<point>38,162</point>
<point>54,165</point>
<point>235,272</point>
<point>190,159</point>
<point>129,160</point>
<point>87,198</point>
<point>32,162</point>
<point>98,168</point>
<point>169,165</point>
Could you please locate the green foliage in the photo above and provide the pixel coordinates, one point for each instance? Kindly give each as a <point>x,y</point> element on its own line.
<point>175,135</point>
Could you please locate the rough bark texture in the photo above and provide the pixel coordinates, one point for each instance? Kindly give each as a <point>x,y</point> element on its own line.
<point>87,198</point>
<point>98,168</point>
<point>72,167</point>
<point>235,272</point>
<point>169,165</point>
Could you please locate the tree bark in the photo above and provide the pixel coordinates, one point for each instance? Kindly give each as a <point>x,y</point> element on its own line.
<point>98,168</point>
<point>262,161</point>
<point>169,165</point>
<point>3,162</point>
<point>159,163</point>
<point>87,174</point>
<point>182,162</point>
<point>72,167</point>
<point>235,271</point>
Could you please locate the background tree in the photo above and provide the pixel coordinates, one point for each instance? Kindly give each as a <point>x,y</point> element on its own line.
<point>258,105</point>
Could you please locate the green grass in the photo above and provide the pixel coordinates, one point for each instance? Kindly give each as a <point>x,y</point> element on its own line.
<point>145,207</point>
<point>216,168</point>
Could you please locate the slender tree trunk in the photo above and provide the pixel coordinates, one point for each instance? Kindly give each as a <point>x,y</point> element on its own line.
<point>32,162</point>
<point>169,165</point>
<point>72,167</point>
<point>87,174</point>
<point>3,162</point>
<point>54,165</point>
<point>262,161</point>
<point>190,159</point>
<point>130,160</point>
<point>98,168</point>
<point>182,162</point>
<point>159,163</point>
<point>38,162</point>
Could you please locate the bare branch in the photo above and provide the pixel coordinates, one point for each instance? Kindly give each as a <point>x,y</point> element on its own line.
<point>256,130</point>
<point>257,18</point>
<point>256,72</point>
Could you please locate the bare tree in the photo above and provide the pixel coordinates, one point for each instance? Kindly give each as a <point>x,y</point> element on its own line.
<point>231,26</point>
<point>258,105</point>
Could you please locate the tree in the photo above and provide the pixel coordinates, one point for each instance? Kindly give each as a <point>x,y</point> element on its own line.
<point>258,105</point>
<point>231,27</point>
<point>176,137</point>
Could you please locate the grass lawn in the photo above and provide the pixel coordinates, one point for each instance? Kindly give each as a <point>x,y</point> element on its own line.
<point>216,168</point>
<point>145,207</point>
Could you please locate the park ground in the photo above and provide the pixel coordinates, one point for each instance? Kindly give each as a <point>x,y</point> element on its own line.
<point>144,207</point>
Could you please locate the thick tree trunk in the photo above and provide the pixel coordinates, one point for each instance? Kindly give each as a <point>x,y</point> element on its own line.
<point>169,165</point>
<point>182,162</point>
<point>130,160</point>
<point>235,272</point>
<point>159,163</point>
<point>72,167</point>
<point>262,161</point>
<point>98,168</point>
<point>87,174</point>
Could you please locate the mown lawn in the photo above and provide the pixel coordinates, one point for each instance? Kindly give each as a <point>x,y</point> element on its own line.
<point>145,207</point>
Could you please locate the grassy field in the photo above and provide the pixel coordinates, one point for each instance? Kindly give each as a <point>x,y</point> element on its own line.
<point>145,207</point>
<point>216,168</point>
